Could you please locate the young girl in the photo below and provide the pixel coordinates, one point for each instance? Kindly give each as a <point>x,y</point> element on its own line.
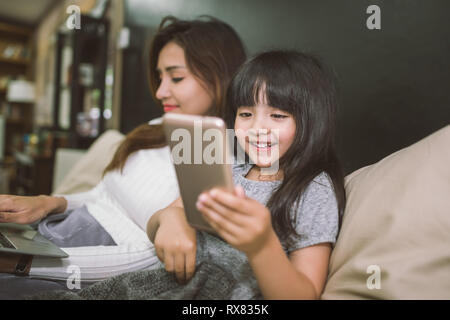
<point>286,222</point>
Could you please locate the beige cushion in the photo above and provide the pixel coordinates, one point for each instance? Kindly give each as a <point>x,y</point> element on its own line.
<point>397,219</point>
<point>88,171</point>
<point>65,160</point>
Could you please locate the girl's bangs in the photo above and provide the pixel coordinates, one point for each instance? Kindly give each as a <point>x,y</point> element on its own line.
<point>257,83</point>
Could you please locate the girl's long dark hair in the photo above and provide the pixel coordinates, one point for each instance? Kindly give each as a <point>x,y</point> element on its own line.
<point>301,85</point>
<point>213,52</point>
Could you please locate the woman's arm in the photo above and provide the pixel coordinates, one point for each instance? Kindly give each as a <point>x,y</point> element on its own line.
<point>29,209</point>
<point>25,210</point>
<point>75,200</point>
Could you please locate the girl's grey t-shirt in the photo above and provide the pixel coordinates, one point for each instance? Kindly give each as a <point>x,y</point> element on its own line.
<point>316,220</point>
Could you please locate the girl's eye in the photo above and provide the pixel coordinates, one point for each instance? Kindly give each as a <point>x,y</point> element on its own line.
<point>245,114</point>
<point>279,116</point>
<point>176,80</point>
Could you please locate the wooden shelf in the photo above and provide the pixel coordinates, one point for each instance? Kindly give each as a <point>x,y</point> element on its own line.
<point>88,46</point>
<point>26,175</point>
<point>21,62</point>
<point>15,121</point>
<point>17,30</point>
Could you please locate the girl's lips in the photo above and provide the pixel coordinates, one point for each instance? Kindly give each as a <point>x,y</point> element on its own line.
<point>262,146</point>
<point>168,107</point>
<point>263,143</point>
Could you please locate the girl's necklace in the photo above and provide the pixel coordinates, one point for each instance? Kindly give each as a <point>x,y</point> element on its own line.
<point>259,175</point>
<point>269,177</point>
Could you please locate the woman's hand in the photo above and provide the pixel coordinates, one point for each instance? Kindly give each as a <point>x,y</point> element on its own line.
<point>175,243</point>
<point>243,222</point>
<point>25,210</point>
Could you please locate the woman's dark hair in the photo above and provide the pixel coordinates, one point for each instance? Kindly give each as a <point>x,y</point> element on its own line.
<point>213,53</point>
<point>301,85</point>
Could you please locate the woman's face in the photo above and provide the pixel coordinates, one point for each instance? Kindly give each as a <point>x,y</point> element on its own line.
<point>180,91</point>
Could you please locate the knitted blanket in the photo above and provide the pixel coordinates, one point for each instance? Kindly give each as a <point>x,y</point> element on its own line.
<point>222,272</point>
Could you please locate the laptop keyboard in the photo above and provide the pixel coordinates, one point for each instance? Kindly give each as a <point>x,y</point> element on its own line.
<point>5,243</point>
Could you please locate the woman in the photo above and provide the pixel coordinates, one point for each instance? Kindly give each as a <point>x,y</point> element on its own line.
<point>191,64</point>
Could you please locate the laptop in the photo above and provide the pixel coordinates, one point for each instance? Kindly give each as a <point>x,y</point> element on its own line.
<point>23,239</point>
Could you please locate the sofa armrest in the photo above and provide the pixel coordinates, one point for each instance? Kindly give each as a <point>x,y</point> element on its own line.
<point>87,170</point>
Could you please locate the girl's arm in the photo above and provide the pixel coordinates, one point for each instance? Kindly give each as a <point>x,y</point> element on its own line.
<point>301,276</point>
<point>246,225</point>
<point>174,240</point>
<point>154,222</point>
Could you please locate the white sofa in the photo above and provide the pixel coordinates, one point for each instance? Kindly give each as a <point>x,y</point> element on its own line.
<point>78,171</point>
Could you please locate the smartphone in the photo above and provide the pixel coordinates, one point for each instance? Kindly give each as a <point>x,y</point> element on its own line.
<point>200,154</point>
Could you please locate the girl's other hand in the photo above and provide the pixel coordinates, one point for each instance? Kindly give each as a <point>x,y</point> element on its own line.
<point>26,210</point>
<point>175,243</point>
<point>241,221</point>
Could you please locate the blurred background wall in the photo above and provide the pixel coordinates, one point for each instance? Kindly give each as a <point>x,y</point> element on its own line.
<point>394,82</point>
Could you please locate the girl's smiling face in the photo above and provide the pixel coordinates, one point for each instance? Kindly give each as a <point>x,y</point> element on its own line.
<point>179,90</point>
<point>264,132</point>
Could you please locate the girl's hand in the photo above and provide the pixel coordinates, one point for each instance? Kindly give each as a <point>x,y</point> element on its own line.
<point>26,210</point>
<point>175,243</point>
<point>242,222</point>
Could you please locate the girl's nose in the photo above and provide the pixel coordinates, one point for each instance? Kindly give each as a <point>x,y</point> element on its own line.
<point>259,132</point>
<point>259,127</point>
<point>163,91</point>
